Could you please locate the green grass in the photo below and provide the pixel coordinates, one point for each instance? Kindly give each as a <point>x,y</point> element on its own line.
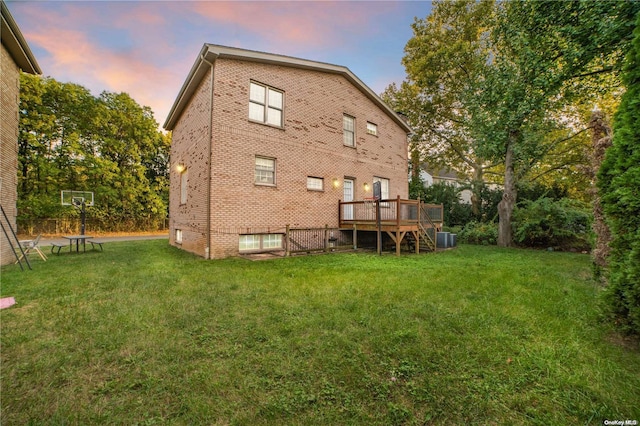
<point>146,334</point>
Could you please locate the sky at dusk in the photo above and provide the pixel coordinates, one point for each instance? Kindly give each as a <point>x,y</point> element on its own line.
<point>146,48</point>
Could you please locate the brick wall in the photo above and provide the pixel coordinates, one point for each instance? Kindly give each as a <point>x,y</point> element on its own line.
<point>189,148</point>
<point>311,144</point>
<point>10,82</point>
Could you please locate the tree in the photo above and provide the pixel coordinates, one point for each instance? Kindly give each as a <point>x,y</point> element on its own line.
<point>54,138</point>
<point>70,139</point>
<point>489,87</point>
<point>619,184</point>
<point>601,140</point>
<point>544,54</point>
<point>446,54</point>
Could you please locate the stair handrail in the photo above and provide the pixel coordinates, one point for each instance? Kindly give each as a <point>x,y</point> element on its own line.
<point>423,231</point>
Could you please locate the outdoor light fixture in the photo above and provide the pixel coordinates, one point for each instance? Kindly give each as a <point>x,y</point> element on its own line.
<point>366,187</point>
<point>336,182</point>
<point>180,168</point>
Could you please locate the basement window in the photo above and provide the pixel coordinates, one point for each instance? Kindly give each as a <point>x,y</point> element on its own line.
<point>260,242</point>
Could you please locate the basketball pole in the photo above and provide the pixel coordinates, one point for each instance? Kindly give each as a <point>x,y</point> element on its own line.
<point>83,218</point>
<point>377,194</point>
<point>378,226</point>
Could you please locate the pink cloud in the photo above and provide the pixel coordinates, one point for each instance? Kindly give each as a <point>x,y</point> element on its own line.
<point>147,48</point>
<point>74,56</point>
<point>308,24</point>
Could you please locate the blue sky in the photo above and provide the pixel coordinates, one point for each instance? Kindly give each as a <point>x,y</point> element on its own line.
<point>146,48</point>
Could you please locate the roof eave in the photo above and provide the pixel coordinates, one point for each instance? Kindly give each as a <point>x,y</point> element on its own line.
<point>210,52</point>
<point>16,44</point>
<point>197,72</point>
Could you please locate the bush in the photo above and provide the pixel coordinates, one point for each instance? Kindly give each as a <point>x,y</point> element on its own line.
<point>455,212</point>
<point>479,233</point>
<point>564,224</point>
<point>489,200</point>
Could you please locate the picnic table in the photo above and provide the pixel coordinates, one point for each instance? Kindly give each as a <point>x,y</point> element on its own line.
<point>77,239</point>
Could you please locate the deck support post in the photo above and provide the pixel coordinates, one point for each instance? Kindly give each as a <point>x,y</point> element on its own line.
<point>397,237</point>
<point>355,237</point>
<point>416,237</point>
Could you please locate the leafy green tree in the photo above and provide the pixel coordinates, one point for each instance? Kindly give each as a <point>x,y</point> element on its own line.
<point>70,139</point>
<point>445,56</point>
<point>490,86</point>
<point>619,184</point>
<point>455,213</point>
<point>54,137</point>
<point>545,53</point>
<point>131,146</point>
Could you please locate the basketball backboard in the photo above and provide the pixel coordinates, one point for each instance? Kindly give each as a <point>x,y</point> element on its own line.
<point>377,190</point>
<point>76,198</point>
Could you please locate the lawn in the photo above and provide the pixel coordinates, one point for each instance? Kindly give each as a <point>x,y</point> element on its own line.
<point>143,333</point>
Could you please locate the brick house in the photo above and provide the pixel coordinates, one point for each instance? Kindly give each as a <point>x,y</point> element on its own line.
<point>16,56</point>
<point>261,141</point>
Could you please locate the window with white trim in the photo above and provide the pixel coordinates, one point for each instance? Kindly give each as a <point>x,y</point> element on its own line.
<point>315,183</point>
<point>184,179</point>
<point>372,128</point>
<point>265,171</point>
<point>349,130</point>
<point>384,187</point>
<point>249,242</point>
<point>253,242</point>
<point>266,104</point>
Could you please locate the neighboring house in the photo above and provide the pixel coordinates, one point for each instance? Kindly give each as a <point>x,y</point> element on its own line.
<point>16,56</point>
<point>430,177</point>
<point>261,141</point>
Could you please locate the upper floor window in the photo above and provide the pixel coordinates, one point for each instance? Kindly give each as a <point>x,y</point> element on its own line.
<point>349,130</point>
<point>265,171</point>
<point>265,104</point>
<point>372,128</point>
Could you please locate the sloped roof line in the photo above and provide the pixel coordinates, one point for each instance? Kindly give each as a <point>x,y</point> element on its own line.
<point>16,44</point>
<point>210,52</point>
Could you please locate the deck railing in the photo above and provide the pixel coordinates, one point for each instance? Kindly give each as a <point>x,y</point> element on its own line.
<point>300,240</point>
<point>396,212</point>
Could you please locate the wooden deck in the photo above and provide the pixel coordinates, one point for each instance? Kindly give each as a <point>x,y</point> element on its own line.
<point>397,217</point>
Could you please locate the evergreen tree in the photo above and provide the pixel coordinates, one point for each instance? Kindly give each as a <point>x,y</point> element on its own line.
<point>619,183</point>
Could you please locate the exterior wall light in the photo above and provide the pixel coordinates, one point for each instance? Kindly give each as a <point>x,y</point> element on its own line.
<point>366,187</point>
<point>180,168</point>
<point>336,182</point>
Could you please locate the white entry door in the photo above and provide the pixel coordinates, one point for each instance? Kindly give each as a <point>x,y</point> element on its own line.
<point>348,188</point>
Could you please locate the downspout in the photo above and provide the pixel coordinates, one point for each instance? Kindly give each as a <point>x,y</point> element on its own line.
<point>207,250</point>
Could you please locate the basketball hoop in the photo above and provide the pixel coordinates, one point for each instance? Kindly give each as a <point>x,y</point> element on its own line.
<point>370,207</point>
<point>79,200</point>
<point>370,202</point>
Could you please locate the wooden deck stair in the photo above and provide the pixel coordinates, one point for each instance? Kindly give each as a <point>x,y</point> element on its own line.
<point>409,220</point>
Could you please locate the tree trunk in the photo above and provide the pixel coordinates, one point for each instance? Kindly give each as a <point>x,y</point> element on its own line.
<point>476,190</point>
<point>601,140</point>
<point>415,161</point>
<point>508,202</point>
